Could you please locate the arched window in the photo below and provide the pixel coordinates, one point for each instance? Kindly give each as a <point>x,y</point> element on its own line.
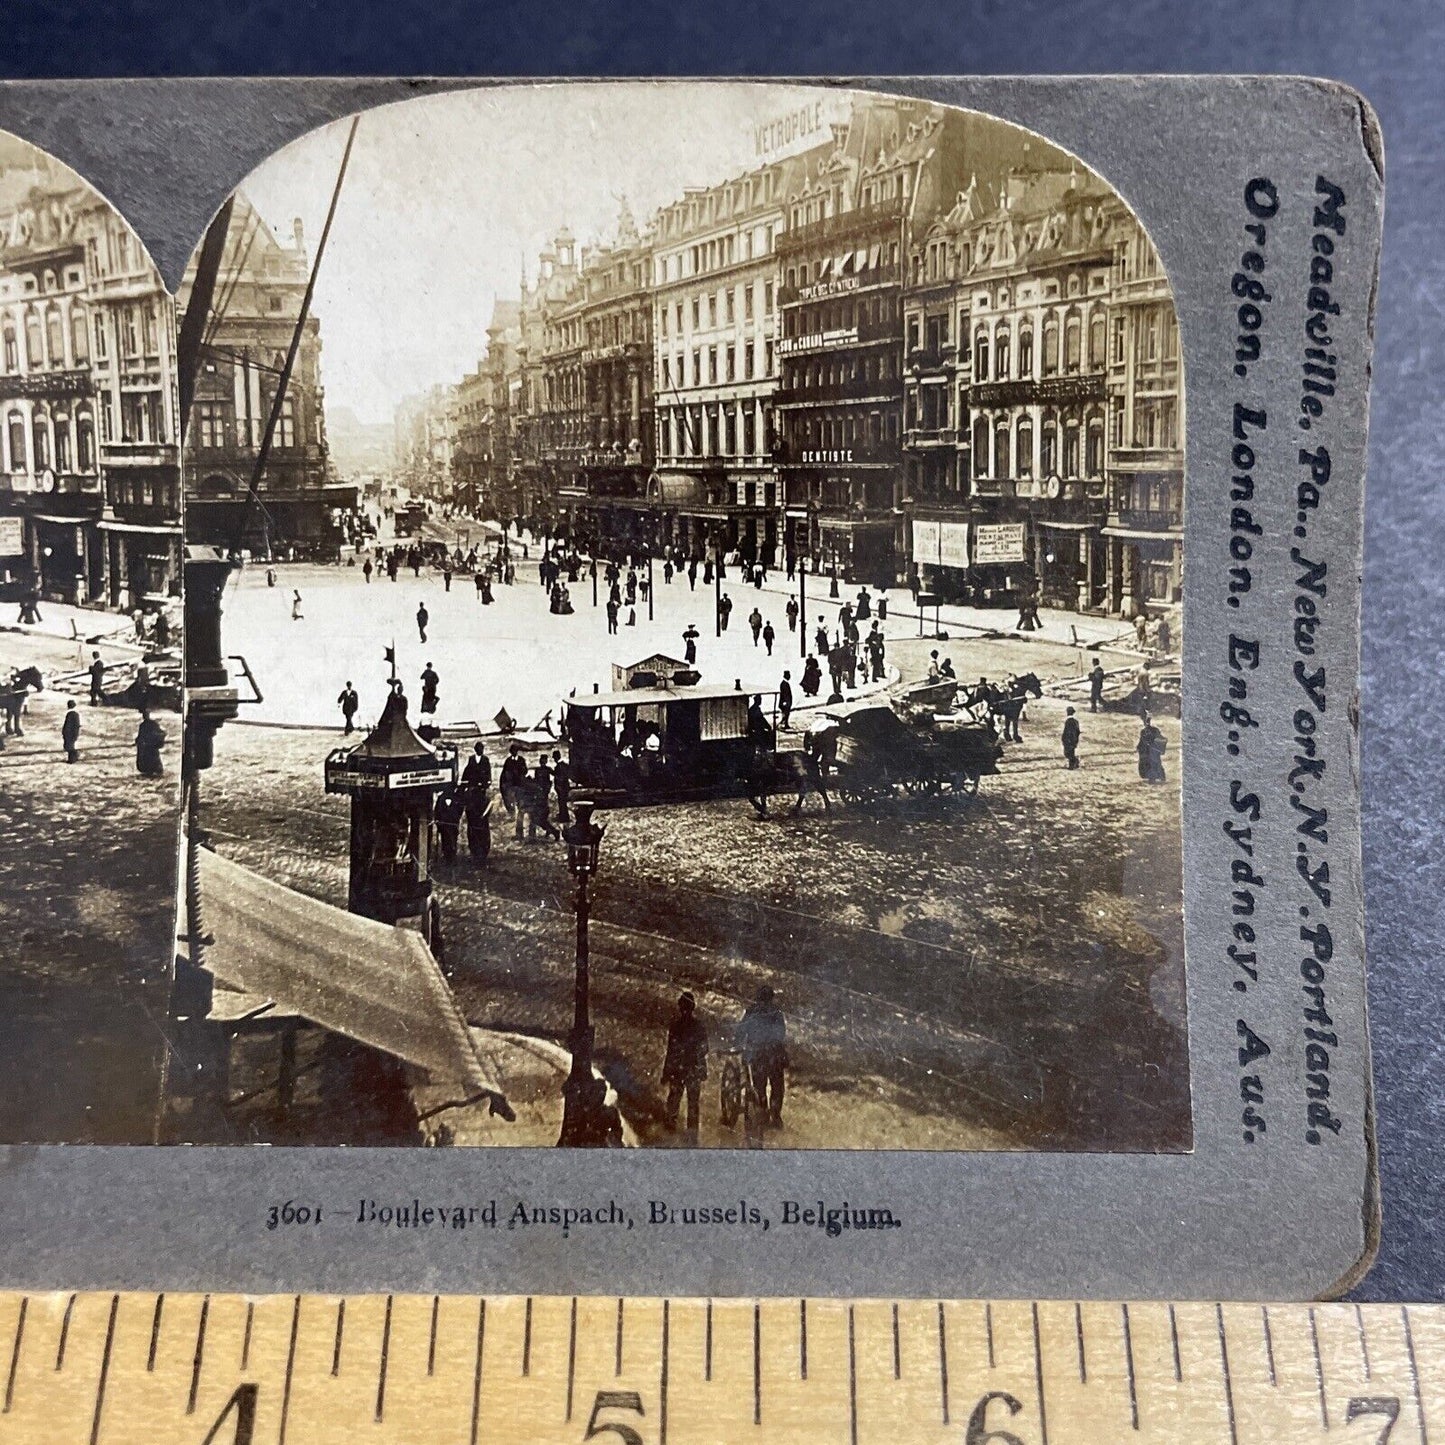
<point>1094,457</point>
<point>980,356</point>
<point>1000,353</point>
<point>79,336</point>
<point>84,443</point>
<point>1026,353</point>
<point>1073,343</point>
<point>62,444</point>
<point>1049,450</point>
<point>1001,466</point>
<point>12,350</point>
<point>1071,450</point>
<point>34,345</point>
<point>1025,448</point>
<point>40,441</point>
<point>980,447</point>
<point>1096,341</point>
<point>55,336</point>
<point>1051,346</point>
<point>15,428</point>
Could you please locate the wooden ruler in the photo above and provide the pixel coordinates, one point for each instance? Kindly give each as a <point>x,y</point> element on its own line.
<point>111,1369</point>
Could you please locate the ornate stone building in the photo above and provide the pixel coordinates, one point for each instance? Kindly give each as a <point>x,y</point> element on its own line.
<point>89,463</point>
<point>257,302</point>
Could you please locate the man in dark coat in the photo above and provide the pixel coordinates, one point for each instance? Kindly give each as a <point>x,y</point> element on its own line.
<point>1096,686</point>
<point>724,611</point>
<point>685,1067</point>
<point>430,682</point>
<point>513,777</point>
<point>449,822</point>
<point>422,618</point>
<point>97,678</point>
<point>70,733</point>
<point>150,738</point>
<point>477,804</point>
<point>348,702</point>
<point>561,784</point>
<point>762,1039</point>
<point>1071,739</point>
<point>785,700</point>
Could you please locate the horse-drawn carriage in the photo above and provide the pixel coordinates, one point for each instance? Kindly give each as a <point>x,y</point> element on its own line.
<point>878,752</point>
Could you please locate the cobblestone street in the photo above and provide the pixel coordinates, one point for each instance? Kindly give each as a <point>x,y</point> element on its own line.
<point>87,889</point>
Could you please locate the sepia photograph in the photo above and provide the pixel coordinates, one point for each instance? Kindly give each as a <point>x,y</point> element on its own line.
<point>683,595</point>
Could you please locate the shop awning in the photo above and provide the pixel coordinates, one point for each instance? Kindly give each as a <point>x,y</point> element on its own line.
<point>158,529</point>
<point>1052,526</point>
<point>374,983</point>
<point>1143,534</point>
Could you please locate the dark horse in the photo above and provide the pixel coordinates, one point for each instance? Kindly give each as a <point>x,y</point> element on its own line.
<point>1005,704</point>
<point>13,694</point>
<point>789,772</point>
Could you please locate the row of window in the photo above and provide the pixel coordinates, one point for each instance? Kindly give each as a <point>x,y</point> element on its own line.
<point>747,300</point>
<point>214,426</point>
<point>55,443</point>
<point>738,363</point>
<point>717,254</point>
<point>45,337</point>
<point>851,431</point>
<point>875,369</point>
<point>879,262</point>
<point>877,311</point>
<point>726,429</point>
<point>1005,450</point>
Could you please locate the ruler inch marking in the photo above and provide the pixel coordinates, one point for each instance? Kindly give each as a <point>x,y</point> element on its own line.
<point>336,1347</point>
<point>290,1369</point>
<point>155,1334</point>
<point>663,1373</point>
<point>431,1349</point>
<point>527,1339</point>
<point>1129,1366</point>
<point>1268,1344</point>
<point>1414,1374</point>
<point>897,1347</point>
<point>477,1372</point>
<point>15,1354</point>
<point>707,1357</point>
<point>571,1355</point>
<point>1079,1337</point>
<point>852,1383</point>
<point>198,1356</point>
<point>1174,1341</point>
<point>104,1370</point>
<point>64,1334</point>
<point>943,1360</point>
<point>988,1329</point>
<point>1039,1378</point>
<point>1364,1341</point>
<point>246,1338</point>
<point>617,1362</point>
<point>1228,1382</point>
<point>1319,1370</point>
<point>757,1363</point>
<point>382,1364</point>
<point>803,1339</point>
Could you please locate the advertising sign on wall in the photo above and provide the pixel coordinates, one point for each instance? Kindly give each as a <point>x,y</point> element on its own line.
<point>998,542</point>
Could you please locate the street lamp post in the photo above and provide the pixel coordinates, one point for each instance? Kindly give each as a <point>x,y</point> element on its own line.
<point>582,1126</point>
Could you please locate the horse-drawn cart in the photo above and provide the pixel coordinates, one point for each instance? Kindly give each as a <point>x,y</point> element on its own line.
<point>879,752</point>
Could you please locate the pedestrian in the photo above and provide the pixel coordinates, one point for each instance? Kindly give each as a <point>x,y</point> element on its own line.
<point>762,1039</point>
<point>865,605</point>
<point>1096,686</point>
<point>667,572</point>
<point>785,699</point>
<point>724,611</point>
<point>422,618</point>
<point>1141,631</point>
<point>561,784</point>
<point>689,645</point>
<point>935,672</point>
<point>30,606</point>
<point>70,732</point>
<point>812,679</point>
<point>538,803</point>
<point>514,773</point>
<point>430,683</point>
<point>366,570</point>
<point>348,702</point>
<point>769,636</point>
<point>163,628</point>
<point>270,576</point>
<point>447,577</point>
<point>480,581</point>
<point>97,679</point>
<point>477,803</point>
<point>150,738</point>
<point>755,621</point>
<point>1162,635</point>
<point>820,638</point>
<point>611,616</point>
<point>1150,748</point>
<point>792,611</point>
<point>692,575</point>
<point>684,1069</point>
<point>295,605</point>
<point>1071,739</point>
<point>448,816</point>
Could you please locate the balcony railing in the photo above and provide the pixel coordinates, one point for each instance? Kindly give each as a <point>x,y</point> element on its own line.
<point>1166,519</point>
<point>1027,391</point>
<point>922,436</point>
<point>848,223</point>
<point>841,391</point>
<point>884,275</point>
<point>931,358</point>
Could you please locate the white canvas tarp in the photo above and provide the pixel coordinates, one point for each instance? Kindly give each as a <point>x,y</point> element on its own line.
<point>375,983</point>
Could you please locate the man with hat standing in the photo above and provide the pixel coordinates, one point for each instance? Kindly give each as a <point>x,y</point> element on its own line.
<point>685,1067</point>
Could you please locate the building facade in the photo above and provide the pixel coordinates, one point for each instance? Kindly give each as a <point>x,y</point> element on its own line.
<point>89,460</point>
<point>255,310</point>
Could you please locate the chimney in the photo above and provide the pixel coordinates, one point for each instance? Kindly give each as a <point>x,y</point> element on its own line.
<point>298,233</point>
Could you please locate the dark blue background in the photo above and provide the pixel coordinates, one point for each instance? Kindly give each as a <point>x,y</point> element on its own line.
<point>1392,52</point>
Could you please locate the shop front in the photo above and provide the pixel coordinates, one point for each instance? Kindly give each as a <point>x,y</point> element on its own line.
<point>858,550</point>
